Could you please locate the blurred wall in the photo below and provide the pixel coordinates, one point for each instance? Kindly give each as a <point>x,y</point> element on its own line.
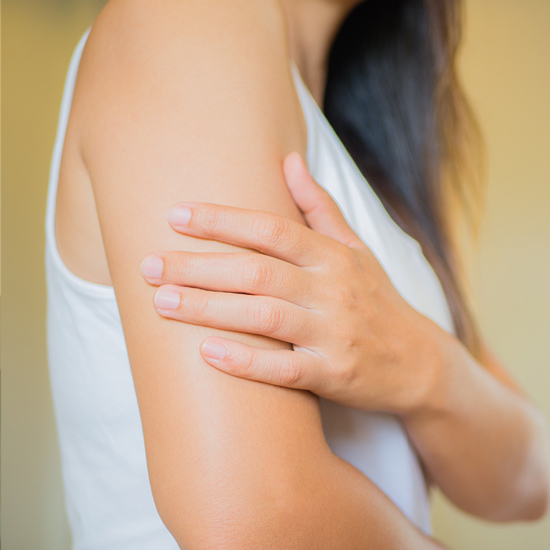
<point>38,37</point>
<point>505,68</point>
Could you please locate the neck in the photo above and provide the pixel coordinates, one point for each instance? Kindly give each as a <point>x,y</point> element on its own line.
<point>312,27</point>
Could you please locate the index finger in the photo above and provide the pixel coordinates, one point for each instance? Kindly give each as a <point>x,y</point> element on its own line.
<point>266,232</point>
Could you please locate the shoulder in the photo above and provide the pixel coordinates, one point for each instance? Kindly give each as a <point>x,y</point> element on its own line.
<point>127,16</point>
<point>201,63</point>
<point>167,39</point>
<point>175,13</point>
<point>185,100</point>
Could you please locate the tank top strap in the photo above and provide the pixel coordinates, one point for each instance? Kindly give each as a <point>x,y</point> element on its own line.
<point>80,285</point>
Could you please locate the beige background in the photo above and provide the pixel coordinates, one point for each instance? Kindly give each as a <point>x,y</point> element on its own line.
<point>505,68</point>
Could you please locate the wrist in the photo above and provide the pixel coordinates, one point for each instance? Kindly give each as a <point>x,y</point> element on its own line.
<point>435,353</point>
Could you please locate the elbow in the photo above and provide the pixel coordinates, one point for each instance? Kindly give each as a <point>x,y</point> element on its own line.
<point>533,498</point>
<point>539,503</point>
<point>232,522</point>
<point>523,493</point>
<point>528,503</point>
<point>539,508</point>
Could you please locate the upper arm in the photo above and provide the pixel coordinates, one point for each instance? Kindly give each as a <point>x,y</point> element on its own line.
<point>194,101</point>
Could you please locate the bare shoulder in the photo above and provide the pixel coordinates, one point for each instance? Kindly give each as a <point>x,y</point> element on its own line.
<point>222,53</point>
<point>176,90</point>
<point>263,20</point>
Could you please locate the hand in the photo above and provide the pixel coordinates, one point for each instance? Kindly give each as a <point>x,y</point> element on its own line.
<point>356,341</point>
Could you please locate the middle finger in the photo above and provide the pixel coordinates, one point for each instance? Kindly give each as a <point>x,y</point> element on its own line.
<point>247,272</point>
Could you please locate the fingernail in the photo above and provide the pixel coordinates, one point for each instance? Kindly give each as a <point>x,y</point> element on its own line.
<point>166,299</point>
<point>214,350</point>
<point>152,267</point>
<point>179,215</point>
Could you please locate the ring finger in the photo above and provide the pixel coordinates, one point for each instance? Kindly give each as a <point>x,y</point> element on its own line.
<point>264,315</point>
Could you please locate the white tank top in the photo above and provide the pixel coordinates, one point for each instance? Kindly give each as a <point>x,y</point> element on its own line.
<point>108,496</point>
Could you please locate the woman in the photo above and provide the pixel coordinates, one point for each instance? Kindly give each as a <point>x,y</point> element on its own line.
<point>202,102</point>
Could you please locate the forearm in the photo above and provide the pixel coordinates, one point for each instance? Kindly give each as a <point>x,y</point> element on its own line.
<point>483,443</point>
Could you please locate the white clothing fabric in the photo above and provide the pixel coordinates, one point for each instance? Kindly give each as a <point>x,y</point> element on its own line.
<point>107,491</point>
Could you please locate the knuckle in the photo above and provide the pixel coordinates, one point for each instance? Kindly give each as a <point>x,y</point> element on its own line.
<point>256,273</point>
<point>291,373</point>
<point>268,317</point>
<point>348,340</point>
<point>348,259</point>
<point>211,219</point>
<point>247,364</point>
<point>343,261</point>
<point>344,375</point>
<point>271,230</point>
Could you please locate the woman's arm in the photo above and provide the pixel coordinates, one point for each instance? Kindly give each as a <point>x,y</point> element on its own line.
<point>357,342</point>
<point>483,441</point>
<point>183,99</point>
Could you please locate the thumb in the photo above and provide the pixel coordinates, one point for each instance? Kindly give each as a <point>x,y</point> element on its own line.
<point>319,208</point>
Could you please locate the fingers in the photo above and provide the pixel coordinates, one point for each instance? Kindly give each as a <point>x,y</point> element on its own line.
<point>242,313</point>
<point>270,233</point>
<point>319,208</point>
<point>292,369</point>
<point>245,272</point>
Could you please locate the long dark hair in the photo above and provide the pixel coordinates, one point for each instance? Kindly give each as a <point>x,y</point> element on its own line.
<point>393,97</point>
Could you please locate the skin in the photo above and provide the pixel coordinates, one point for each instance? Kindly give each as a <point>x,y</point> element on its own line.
<point>356,341</point>
<point>136,145</point>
